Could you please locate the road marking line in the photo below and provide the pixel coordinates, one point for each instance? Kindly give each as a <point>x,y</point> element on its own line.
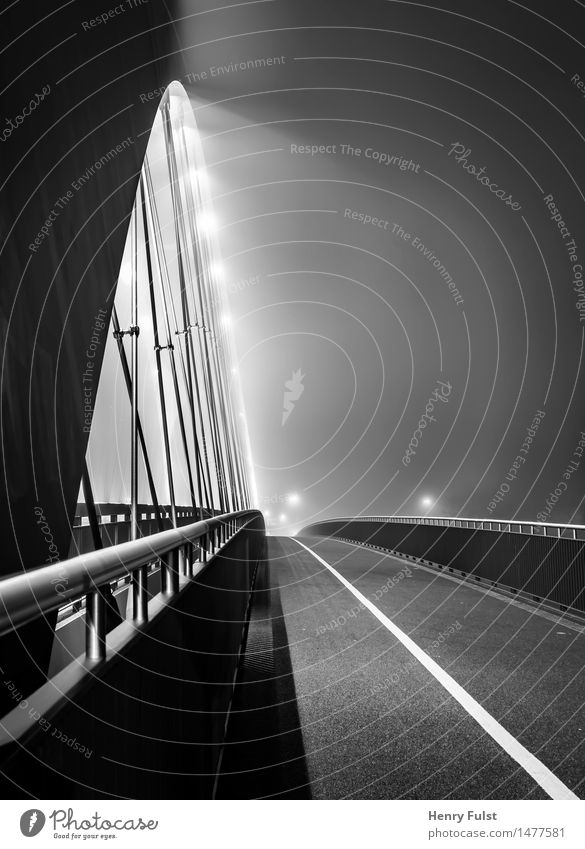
<point>535,768</point>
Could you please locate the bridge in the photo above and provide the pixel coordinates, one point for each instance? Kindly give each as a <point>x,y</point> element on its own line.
<point>160,638</point>
<point>397,658</point>
<point>171,649</point>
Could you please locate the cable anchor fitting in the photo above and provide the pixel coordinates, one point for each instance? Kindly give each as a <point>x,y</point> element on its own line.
<point>133,330</point>
<point>184,332</point>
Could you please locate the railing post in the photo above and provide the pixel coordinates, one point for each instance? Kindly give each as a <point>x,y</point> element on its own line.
<point>182,560</point>
<point>164,574</point>
<point>170,573</point>
<point>188,559</point>
<point>95,625</point>
<point>175,561</point>
<point>140,595</point>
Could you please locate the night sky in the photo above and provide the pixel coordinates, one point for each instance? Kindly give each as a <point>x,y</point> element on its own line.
<point>385,178</point>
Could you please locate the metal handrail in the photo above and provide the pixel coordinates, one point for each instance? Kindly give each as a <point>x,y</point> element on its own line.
<point>501,525</point>
<point>26,596</point>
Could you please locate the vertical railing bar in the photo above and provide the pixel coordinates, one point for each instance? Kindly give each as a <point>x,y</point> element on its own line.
<point>203,543</point>
<point>95,631</point>
<point>181,562</point>
<point>189,554</point>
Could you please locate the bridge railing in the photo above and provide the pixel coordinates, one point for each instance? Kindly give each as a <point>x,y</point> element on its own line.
<point>508,526</point>
<point>180,551</point>
<point>148,718</point>
<point>542,562</point>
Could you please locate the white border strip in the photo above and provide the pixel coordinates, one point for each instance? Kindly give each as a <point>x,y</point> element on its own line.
<point>535,768</point>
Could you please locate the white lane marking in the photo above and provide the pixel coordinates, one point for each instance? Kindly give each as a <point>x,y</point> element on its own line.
<point>535,768</point>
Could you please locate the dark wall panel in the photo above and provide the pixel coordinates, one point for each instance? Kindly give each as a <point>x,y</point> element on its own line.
<point>68,176</point>
<point>540,566</point>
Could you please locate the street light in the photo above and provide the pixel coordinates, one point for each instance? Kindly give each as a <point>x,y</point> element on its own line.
<point>218,270</point>
<point>207,222</point>
<point>201,176</point>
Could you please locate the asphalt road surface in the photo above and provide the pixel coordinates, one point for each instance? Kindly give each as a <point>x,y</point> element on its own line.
<point>402,683</point>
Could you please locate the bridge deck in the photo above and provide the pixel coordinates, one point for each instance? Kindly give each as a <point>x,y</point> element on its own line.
<point>330,703</point>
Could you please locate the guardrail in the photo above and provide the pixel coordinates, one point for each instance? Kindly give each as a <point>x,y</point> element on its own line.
<point>150,714</point>
<point>26,596</point>
<point>508,526</point>
<point>543,562</point>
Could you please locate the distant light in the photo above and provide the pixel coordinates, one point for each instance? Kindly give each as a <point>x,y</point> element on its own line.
<point>294,498</point>
<point>207,222</point>
<point>282,518</point>
<point>267,512</point>
<point>201,175</point>
<point>192,137</point>
<point>234,371</point>
<point>226,319</point>
<point>427,502</point>
<point>218,270</point>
